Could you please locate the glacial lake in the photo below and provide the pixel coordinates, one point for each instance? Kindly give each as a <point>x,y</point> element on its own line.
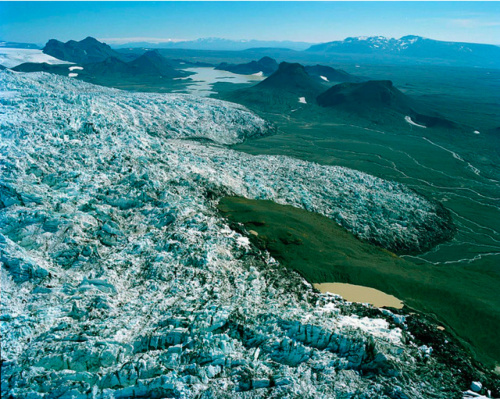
<point>202,82</point>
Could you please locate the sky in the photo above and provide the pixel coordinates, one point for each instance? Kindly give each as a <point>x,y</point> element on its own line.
<point>314,22</point>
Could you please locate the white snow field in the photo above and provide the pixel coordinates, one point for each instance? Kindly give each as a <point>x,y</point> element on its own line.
<point>11,57</point>
<point>120,279</point>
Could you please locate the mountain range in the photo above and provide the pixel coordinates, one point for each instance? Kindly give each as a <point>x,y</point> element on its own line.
<point>266,66</point>
<point>149,64</point>
<point>407,50</point>
<point>292,87</point>
<point>214,43</point>
<point>415,48</point>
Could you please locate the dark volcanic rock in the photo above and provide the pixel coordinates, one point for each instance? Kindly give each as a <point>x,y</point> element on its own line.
<point>88,50</point>
<point>283,91</point>
<point>374,93</point>
<point>379,96</point>
<point>292,78</point>
<point>266,65</point>
<point>154,64</point>
<point>110,66</point>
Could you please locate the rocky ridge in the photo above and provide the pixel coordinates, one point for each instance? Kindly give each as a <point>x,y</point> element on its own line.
<point>120,279</point>
<point>87,50</point>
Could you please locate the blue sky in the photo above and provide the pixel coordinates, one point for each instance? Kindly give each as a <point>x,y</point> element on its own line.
<point>36,22</point>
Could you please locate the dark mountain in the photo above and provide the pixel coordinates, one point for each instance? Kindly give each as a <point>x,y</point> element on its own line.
<point>86,51</point>
<point>329,74</point>
<point>374,93</point>
<point>413,48</point>
<point>154,64</point>
<point>266,65</point>
<point>285,90</point>
<point>2,68</point>
<point>111,66</point>
<point>379,98</point>
<point>293,79</point>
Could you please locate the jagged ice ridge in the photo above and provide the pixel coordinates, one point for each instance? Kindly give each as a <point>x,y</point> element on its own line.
<point>120,279</point>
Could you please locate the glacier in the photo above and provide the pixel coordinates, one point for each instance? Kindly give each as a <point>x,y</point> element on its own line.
<point>120,279</point>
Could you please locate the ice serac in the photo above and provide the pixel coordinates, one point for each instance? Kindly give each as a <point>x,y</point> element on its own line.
<point>120,279</point>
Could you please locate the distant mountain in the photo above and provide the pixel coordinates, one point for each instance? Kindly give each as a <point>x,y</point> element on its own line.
<point>329,74</point>
<point>379,98</point>
<point>416,48</point>
<point>19,45</point>
<point>181,63</point>
<point>154,64</point>
<point>86,51</point>
<point>266,66</point>
<point>216,44</point>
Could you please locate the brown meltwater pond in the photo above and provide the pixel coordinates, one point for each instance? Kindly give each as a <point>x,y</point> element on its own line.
<point>361,294</point>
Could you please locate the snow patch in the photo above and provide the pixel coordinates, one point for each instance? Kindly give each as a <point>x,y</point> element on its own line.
<point>324,78</point>
<point>473,395</point>
<point>243,241</point>
<point>260,74</point>
<point>375,327</point>
<point>302,100</point>
<point>73,68</point>
<point>72,75</point>
<point>7,94</point>
<point>408,119</point>
<point>477,132</point>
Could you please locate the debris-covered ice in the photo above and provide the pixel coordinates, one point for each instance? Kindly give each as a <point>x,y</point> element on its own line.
<point>120,279</point>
